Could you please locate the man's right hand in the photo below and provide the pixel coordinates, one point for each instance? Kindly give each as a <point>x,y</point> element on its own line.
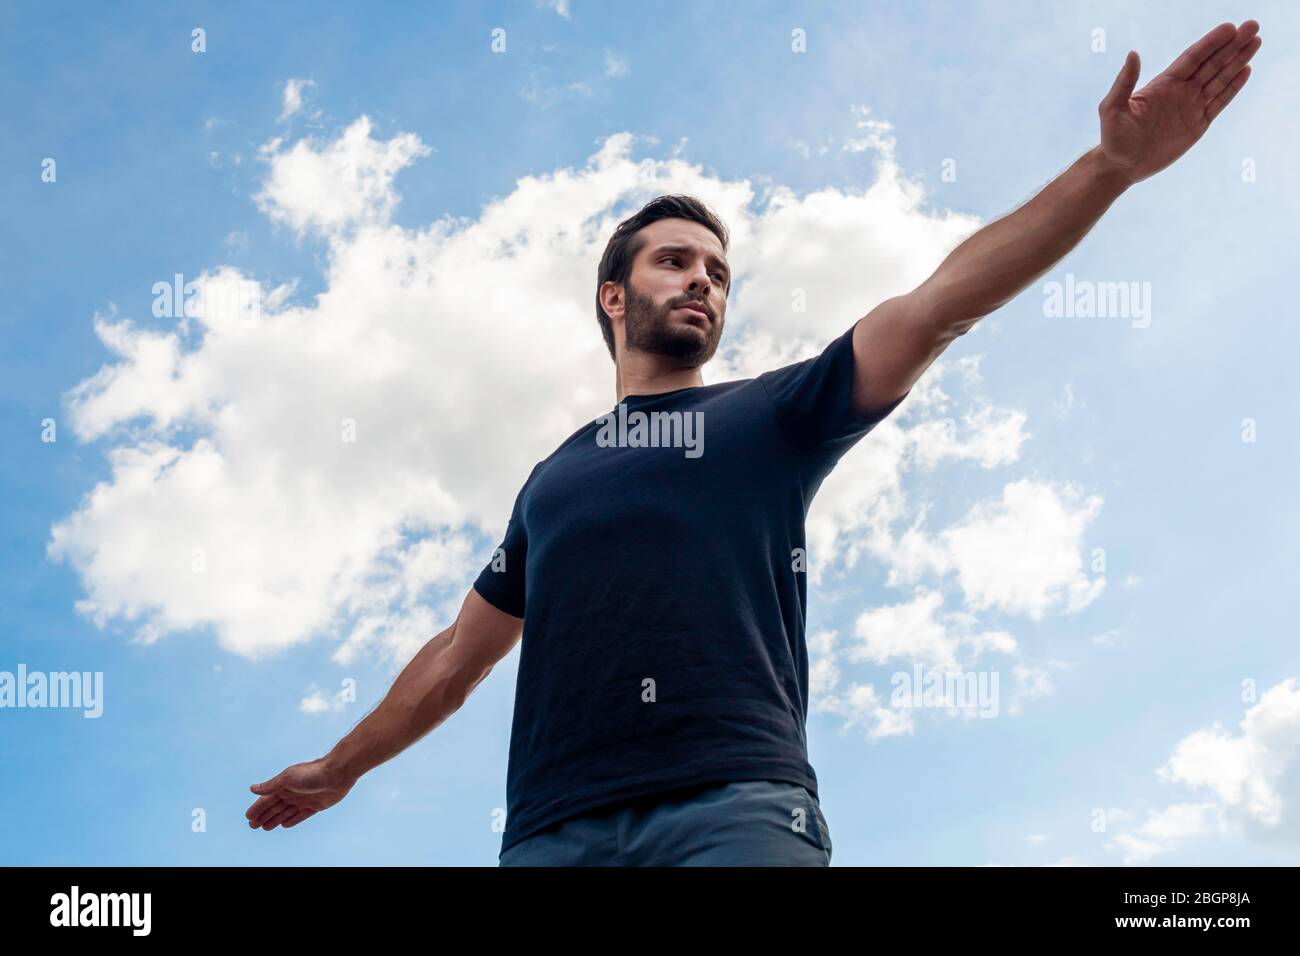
<point>430,688</point>
<point>297,792</point>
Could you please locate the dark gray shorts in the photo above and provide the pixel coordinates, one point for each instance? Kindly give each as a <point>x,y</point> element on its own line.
<point>750,823</point>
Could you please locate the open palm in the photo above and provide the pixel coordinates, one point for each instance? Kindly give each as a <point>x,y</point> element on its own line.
<point>1144,132</point>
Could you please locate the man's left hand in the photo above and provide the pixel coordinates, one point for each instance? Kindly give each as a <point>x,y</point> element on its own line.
<point>1143,132</point>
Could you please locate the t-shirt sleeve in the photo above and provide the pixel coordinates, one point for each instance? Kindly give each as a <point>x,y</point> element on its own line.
<point>501,582</point>
<point>814,401</point>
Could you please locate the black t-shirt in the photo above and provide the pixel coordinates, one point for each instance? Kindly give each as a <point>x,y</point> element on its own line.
<point>653,559</point>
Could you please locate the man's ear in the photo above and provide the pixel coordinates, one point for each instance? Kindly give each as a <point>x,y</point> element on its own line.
<point>611,299</point>
<point>613,304</point>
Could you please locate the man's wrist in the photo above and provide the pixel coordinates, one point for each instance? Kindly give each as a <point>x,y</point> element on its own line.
<point>340,765</point>
<point>1106,173</point>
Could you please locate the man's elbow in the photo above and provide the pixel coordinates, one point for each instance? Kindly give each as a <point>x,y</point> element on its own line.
<point>949,313</point>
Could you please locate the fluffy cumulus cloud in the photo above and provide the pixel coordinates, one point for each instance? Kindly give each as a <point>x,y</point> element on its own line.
<point>283,468</point>
<point>932,657</point>
<point>856,703</point>
<point>1243,783</point>
<point>1018,555</point>
<point>1021,553</point>
<point>326,187</point>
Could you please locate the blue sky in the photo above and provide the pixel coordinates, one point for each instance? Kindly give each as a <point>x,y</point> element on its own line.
<point>1099,509</point>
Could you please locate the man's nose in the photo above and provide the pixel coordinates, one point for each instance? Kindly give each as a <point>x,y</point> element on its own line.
<point>699,282</point>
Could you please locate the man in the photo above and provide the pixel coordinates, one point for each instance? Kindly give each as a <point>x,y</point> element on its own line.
<point>653,563</point>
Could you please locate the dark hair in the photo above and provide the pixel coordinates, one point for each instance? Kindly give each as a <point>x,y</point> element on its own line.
<point>624,244</point>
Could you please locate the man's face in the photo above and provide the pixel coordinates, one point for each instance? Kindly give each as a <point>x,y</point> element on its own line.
<point>681,263</point>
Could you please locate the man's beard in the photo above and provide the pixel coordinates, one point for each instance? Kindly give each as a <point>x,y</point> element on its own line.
<point>649,327</point>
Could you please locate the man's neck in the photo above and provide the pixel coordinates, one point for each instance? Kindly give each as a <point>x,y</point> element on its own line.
<point>643,374</point>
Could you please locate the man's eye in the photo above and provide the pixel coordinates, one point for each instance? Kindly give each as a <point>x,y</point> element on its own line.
<point>718,275</point>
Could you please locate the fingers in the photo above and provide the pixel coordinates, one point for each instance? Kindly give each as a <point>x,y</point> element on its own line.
<point>1195,55</point>
<point>270,800</point>
<point>1216,105</point>
<point>1225,54</point>
<point>297,818</point>
<point>1122,88</point>
<point>291,818</point>
<point>263,814</point>
<point>275,821</point>
<point>262,805</point>
<point>277,806</point>
<point>278,812</point>
<point>1230,70</point>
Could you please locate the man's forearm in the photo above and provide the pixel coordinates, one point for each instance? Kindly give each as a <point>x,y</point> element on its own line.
<point>991,267</point>
<point>429,689</point>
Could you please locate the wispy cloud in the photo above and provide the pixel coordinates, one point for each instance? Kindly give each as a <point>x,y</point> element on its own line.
<point>292,98</point>
<point>615,65</point>
<point>561,7</point>
<point>544,95</point>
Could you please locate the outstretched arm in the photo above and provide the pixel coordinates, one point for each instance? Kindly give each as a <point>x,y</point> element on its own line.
<point>431,687</point>
<point>1141,134</point>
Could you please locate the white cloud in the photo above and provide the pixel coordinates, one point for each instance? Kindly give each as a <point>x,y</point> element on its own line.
<point>861,501</point>
<point>986,434</point>
<point>543,95</point>
<point>615,65</point>
<point>1248,781</point>
<point>823,668</point>
<point>326,188</point>
<point>806,151</point>
<point>317,703</point>
<point>1167,829</point>
<point>1065,405</point>
<point>858,704</point>
<point>292,97</point>
<point>1021,554</point>
<point>918,632</point>
<point>1032,681</point>
<point>874,135</point>
<point>1248,772</point>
